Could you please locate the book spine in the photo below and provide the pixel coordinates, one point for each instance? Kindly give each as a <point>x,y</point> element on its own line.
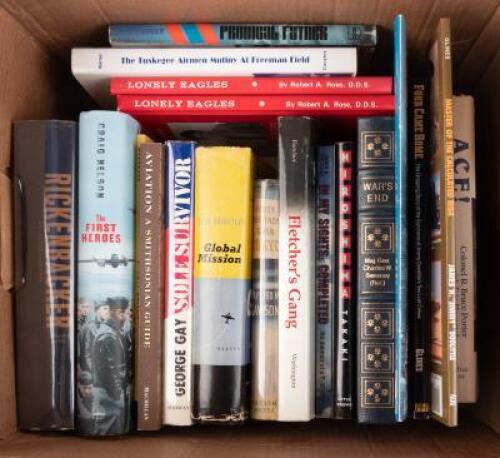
<point>222,278</point>
<point>344,281</point>
<point>106,263</point>
<point>94,67</point>
<point>243,105</point>
<point>149,286</point>
<point>325,279</point>
<point>401,198</point>
<point>296,387</point>
<point>376,271</point>
<point>420,142</point>
<point>444,404</point>
<point>465,211</point>
<point>179,283</point>
<point>44,216</point>
<point>279,85</point>
<point>264,306</point>
<point>227,35</point>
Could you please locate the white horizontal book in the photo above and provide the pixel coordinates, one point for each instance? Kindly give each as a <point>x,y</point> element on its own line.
<point>94,67</point>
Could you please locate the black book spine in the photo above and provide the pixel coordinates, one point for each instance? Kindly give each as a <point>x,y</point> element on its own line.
<point>376,270</point>
<point>44,216</point>
<point>420,247</point>
<point>344,305</point>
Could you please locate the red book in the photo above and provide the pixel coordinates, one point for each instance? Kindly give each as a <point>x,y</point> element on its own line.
<point>230,106</point>
<point>284,85</point>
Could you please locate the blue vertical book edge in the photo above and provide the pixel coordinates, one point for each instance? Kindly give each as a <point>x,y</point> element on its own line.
<point>401,152</point>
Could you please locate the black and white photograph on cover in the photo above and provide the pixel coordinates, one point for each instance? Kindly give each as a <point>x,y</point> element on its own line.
<point>105,352</point>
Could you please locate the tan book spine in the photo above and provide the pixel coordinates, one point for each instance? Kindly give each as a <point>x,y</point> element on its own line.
<point>264,305</point>
<point>443,332</point>
<point>465,249</point>
<point>149,285</point>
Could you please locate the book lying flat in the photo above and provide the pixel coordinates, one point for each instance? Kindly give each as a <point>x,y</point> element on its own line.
<point>94,67</point>
<point>227,35</point>
<point>248,105</point>
<point>247,85</point>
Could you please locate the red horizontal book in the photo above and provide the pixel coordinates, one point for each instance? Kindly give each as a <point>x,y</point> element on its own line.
<point>253,105</point>
<point>252,85</point>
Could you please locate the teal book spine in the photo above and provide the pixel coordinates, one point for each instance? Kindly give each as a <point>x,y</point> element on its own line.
<point>105,285</point>
<point>401,199</point>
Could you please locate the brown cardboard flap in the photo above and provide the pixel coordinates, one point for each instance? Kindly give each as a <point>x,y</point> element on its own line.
<point>6,244</point>
<point>487,99</point>
<point>481,53</point>
<point>61,25</point>
<point>27,90</point>
<point>7,386</point>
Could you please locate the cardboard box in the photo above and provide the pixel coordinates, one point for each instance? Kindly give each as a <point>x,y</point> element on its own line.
<point>35,82</point>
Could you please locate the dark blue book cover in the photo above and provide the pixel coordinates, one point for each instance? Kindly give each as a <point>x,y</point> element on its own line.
<point>377,242</point>
<point>325,278</point>
<point>44,216</point>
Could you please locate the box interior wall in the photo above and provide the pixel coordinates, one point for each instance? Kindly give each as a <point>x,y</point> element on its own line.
<point>35,82</point>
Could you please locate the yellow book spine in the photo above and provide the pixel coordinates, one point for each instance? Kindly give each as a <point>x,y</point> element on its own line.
<point>223,212</point>
<point>222,281</point>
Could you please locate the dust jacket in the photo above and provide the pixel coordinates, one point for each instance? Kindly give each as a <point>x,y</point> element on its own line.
<point>105,279</point>
<point>345,281</point>
<point>149,285</point>
<point>222,282</point>
<point>326,269</point>
<point>45,156</point>
<point>264,305</point>
<point>296,387</point>
<point>179,291</point>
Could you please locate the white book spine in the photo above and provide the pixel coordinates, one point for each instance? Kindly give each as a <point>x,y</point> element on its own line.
<point>296,374</point>
<point>179,284</point>
<point>177,386</point>
<point>93,67</point>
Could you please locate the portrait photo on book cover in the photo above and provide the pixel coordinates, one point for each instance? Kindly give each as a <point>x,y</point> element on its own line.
<point>104,358</point>
<point>104,342</point>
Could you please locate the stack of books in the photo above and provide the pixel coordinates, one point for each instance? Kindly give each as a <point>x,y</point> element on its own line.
<point>212,283</point>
